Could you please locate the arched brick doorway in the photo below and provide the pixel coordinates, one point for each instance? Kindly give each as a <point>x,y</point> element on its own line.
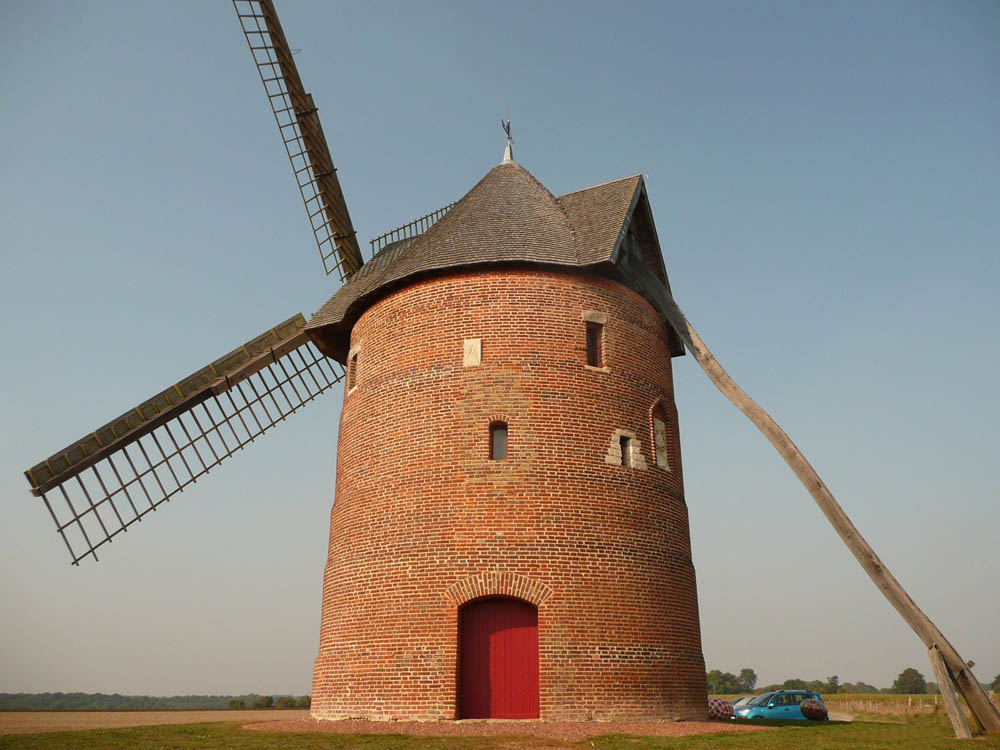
<point>498,659</point>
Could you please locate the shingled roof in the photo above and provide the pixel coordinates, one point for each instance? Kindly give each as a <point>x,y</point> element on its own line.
<point>508,217</point>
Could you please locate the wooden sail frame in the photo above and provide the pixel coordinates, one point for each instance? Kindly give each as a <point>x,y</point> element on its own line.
<point>97,487</point>
<point>302,134</point>
<point>409,230</point>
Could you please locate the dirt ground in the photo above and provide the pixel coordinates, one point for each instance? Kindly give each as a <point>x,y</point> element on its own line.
<point>556,730</point>
<point>29,722</point>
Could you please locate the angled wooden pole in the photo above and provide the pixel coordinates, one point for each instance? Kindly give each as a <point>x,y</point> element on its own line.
<point>948,695</point>
<point>959,671</point>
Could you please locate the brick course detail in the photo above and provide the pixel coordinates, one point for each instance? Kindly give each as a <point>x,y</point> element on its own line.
<point>424,522</point>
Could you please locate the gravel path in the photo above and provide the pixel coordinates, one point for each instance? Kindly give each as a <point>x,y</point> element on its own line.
<point>558,730</point>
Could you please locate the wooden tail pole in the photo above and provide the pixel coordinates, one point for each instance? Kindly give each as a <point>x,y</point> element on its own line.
<point>958,671</point>
<point>951,703</point>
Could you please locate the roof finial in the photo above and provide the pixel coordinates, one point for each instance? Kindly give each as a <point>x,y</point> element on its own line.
<point>508,152</point>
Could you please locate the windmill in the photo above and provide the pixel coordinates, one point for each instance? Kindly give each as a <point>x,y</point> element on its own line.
<point>100,485</point>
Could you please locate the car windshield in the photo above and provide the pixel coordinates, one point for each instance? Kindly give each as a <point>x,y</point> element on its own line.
<point>761,700</point>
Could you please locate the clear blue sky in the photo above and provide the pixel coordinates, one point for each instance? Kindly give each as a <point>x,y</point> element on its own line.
<point>825,180</point>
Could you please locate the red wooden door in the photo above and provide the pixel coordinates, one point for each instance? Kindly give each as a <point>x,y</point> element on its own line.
<point>499,660</point>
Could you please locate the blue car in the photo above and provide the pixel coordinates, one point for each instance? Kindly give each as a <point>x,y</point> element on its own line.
<point>781,704</point>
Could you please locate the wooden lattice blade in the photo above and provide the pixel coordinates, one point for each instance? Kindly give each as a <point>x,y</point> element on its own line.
<point>100,485</point>
<point>302,134</point>
<point>408,231</point>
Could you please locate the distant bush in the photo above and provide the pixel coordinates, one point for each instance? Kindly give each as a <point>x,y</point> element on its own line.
<point>857,687</point>
<point>910,682</point>
<point>265,701</point>
<point>237,703</point>
<point>721,683</point>
<point>304,702</point>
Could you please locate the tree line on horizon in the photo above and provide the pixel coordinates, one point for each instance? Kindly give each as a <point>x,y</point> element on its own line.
<point>118,702</point>
<point>269,701</point>
<point>909,682</point>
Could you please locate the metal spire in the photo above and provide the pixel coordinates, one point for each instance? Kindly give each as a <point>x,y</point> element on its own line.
<point>508,152</point>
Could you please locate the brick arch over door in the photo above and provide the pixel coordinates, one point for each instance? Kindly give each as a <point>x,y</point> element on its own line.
<point>495,583</point>
<point>498,659</point>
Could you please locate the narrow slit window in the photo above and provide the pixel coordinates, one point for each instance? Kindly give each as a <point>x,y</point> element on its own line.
<point>498,441</point>
<point>595,344</point>
<point>352,371</point>
<point>625,442</point>
<point>661,439</point>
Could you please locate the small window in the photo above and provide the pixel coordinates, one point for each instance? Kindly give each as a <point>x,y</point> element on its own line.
<point>352,371</point>
<point>498,441</point>
<point>625,442</point>
<point>595,344</point>
<point>625,449</point>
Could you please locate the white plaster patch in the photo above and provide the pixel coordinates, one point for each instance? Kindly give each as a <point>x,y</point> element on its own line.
<point>472,352</point>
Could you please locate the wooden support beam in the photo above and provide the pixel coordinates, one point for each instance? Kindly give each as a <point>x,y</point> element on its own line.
<point>951,703</point>
<point>659,295</point>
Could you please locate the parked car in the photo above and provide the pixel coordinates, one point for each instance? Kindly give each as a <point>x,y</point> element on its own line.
<point>780,704</point>
<point>742,701</point>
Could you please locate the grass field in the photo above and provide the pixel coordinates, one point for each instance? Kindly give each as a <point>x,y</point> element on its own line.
<point>923,733</point>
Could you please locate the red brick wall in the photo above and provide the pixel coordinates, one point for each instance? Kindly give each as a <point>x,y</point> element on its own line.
<point>423,521</point>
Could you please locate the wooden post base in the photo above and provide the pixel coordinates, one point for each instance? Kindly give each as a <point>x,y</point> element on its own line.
<point>951,703</point>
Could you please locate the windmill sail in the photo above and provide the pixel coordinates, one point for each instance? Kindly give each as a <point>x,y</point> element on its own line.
<point>408,231</point>
<point>103,483</point>
<point>302,134</point>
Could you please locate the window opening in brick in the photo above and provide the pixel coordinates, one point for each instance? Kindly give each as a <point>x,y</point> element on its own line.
<point>661,437</point>
<point>625,442</point>
<point>595,344</point>
<point>498,441</point>
<point>352,371</point>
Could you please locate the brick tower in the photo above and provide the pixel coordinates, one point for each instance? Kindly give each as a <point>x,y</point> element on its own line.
<point>509,536</point>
